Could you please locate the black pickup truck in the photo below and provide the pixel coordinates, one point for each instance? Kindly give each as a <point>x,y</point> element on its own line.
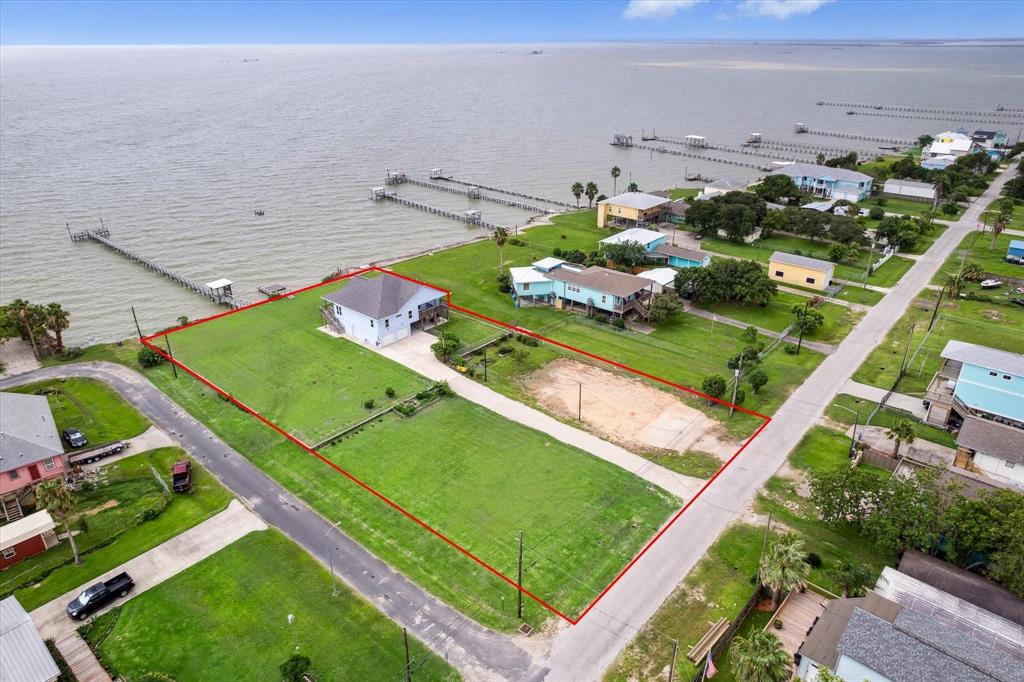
<point>96,597</point>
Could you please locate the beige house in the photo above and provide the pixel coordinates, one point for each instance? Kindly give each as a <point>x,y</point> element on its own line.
<point>632,209</point>
<point>802,271</point>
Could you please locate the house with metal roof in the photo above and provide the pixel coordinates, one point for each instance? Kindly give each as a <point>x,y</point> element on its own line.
<point>907,630</point>
<point>721,186</point>
<point>1015,251</point>
<point>824,181</point>
<point>940,162</point>
<point>573,287</point>
<point>632,209</point>
<point>23,653</point>
<point>909,189</point>
<point>30,450</point>
<point>976,381</point>
<point>663,278</point>
<point>649,239</point>
<point>950,143</point>
<point>25,537</point>
<point>383,309</point>
<point>802,271</point>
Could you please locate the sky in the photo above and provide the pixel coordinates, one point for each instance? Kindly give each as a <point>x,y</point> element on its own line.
<point>160,22</point>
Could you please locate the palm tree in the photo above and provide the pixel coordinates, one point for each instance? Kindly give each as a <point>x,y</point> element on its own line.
<point>901,431</point>
<point>577,191</point>
<point>58,499</point>
<point>954,284</point>
<point>616,172</point>
<point>591,192</point>
<point>633,187</point>
<point>24,313</point>
<point>852,578</point>
<point>760,658</point>
<point>500,238</point>
<point>56,320</point>
<point>997,228</point>
<point>783,566</point>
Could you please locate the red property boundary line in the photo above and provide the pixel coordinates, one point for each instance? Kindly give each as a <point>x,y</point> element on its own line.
<point>146,341</point>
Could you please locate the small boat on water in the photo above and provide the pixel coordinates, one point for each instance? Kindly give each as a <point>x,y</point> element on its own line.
<point>991,284</point>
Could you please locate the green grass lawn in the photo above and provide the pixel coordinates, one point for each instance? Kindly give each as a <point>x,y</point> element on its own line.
<point>683,193</point>
<point>226,618</point>
<point>762,249</point>
<point>778,315</point>
<point>583,518</point>
<point>987,323</point>
<point>976,247</point>
<point>885,417</point>
<point>696,464</point>
<point>918,209</point>
<point>1017,219</point>
<point>92,406</point>
<point>118,533</point>
<point>274,359</point>
<point>858,294</point>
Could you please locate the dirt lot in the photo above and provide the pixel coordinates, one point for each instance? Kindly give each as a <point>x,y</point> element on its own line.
<point>626,410</point>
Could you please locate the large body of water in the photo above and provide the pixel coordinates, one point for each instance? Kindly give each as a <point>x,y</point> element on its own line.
<point>177,147</point>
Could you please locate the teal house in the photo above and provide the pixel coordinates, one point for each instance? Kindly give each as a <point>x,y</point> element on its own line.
<point>592,290</point>
<point>977,381</point>
<point>1015,254</point>
<point>649,239</point>
<point>678,257</point>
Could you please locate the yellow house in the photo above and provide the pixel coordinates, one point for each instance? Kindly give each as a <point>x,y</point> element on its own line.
<point>632,209</point>
<point>800,270</point>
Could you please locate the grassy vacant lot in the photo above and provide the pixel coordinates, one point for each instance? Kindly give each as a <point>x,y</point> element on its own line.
<point>778,315</point>
<point>116,530</point>
<point>91,406</point>
<point>583,518</point>
<point>1017,219</point>
<point>858,294</point>
<point>910,207</point>
<point>181,627</point>
<point>988,323</point>
<point>885,417</point>
<point>762,250</point>
<point>977,248</point>
<point>274,359</point>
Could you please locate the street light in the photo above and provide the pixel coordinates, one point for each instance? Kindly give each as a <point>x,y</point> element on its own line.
<point>330,559</point>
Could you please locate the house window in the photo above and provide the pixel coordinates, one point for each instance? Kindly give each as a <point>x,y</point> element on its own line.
<point>809,280</point>
<point>1006,377</point>
<point>13,474</point>
<point>9,553</point>
<point>1010,465</point>
<point>993,374</point>
<point>410,314</point>
<point>604,299</point>
<point>778,273</point>
<point>49,465</point>
<point>371,323</point>
<point>387,324</point>
<point>526,286</point>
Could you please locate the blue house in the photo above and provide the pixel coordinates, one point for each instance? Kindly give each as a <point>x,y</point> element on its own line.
<point>977,381</point>
<point>649,239</point>
<point>573,287</point>
<point>1015,254</point>
<point>823,181</point>
<point>678,257</point>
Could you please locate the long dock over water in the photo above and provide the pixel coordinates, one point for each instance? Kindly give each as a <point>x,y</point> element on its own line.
<point>810,149</point>
<point>473,192</point>
<point>801,128</point>
<point>1009,112</point>
<point>218,294</point>
<point>627,142</point>
<point>726,148</point>
<point>466,183</point>
<point>469,217</point>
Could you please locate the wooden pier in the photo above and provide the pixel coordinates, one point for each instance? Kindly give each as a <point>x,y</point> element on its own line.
<point>469,217</point>
<point>800,128</point>
<point>947,119</point>
<point>690,154</point>
<point>1011,112</point>
<point>466,183</point>
<point>810,149</point>
<point>220,294</point>
<point>473,192</point>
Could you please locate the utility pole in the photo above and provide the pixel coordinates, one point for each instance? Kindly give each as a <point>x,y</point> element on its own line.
<point>485,364</point>
<point>803,323</point>
<point>735,385</point>
<point>174,367</point>
<point>519,608</point>
<point>906,353</point>
<point>408,663</point>
<point>936,311</point>
<point>137,328</point>
<point>867,270</point>
<point>853,436</point>
<point>579,403</point>
<point>330,559</point>
<point>672,665</point>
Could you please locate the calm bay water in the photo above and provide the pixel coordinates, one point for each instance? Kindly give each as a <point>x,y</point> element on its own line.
<point>177,147</point>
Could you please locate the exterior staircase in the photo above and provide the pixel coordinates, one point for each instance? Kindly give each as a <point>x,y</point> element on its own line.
<point>12,509</point>
<point>328,316</point>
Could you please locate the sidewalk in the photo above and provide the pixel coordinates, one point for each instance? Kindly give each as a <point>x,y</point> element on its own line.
<point>900,401</point>
<point>156,565</point>
<point>414,352</point>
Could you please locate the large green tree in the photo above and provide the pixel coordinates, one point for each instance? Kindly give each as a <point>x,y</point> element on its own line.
<point>591,191</point>
<point>56,497</point>
<point>776,187</point>
<point>628,254</point>
<point>616,172</point>
<point>728,280</point>
<point>577,191</point>
<point>500,238</point>
<point>783,567</point>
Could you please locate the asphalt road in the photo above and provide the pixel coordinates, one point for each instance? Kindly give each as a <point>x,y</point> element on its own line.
<point>478,653</point>
<point>586,650</point>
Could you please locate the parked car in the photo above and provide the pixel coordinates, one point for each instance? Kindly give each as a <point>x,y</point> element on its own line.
<point>74,437</point>
<point>181,477</point>
<point>96,597</point>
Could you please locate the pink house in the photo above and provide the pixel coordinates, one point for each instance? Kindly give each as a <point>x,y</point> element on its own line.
<point>30,450</point>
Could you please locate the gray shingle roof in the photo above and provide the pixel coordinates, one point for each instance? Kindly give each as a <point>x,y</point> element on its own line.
<point>603,280</point>
<point>990,358</point>
<point>992,438</point>
<point>23,655</point>
<point>811,170</point>
<point>680,252</point>
<point>28,433</point>
<point>820,645</point>
<point>376,297</point>
<point>802,261</point>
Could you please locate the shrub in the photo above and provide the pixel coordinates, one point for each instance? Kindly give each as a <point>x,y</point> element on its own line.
<point>813,559</point>
<point>70,352</point>
<point>562,237</point>
<point>295,667</point>
<point>881,201</point>
<point>527,340</point>
<point>515,241</point>
<point>521,355</point>
<point>619,323</point>
<point>876,213</point>
<point>405,409</point>
<point>741,395</point>
<point>750,334</point>
<point>504,350</point>
<point>790,348</point>
<point>149,358</point>
<point>368,404</point>
<point>154,676</point>
<point>504,283</point>
<point>389,392</point>
<point>601,317</point>
<point>445,346</point>
<point>557,253</point>
<point>441,389</point>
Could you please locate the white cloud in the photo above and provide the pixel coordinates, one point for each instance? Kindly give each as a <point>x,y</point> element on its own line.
<point>656,9</point>
<point>780,9</point>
